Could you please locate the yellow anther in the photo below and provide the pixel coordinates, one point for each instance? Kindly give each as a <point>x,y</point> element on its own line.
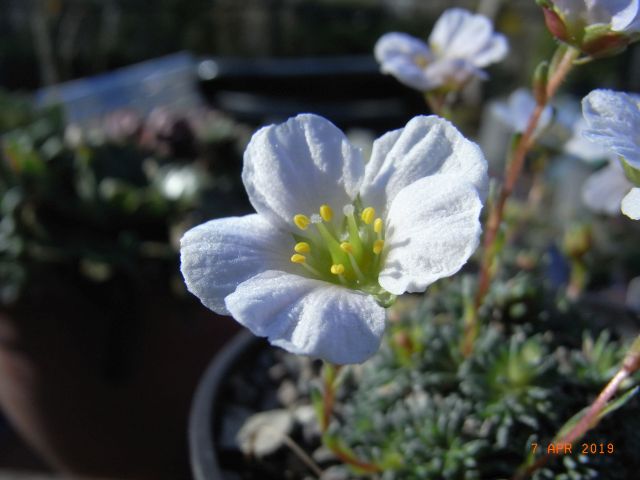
<point>302,247</point>
<point>337,269</point>
<point>378,245</point>
<point>368,214</point>
<point>326,213</point>
<point>377,225</point>
<point>346,247</point>
<point>301,221</point>
<point>421,61</point>
<point>297,258</point>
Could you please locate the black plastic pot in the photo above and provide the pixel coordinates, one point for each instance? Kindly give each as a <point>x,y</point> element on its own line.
<point>204,416</point>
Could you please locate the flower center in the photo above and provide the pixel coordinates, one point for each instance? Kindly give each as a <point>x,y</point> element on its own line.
<point>346,252</point>
<point>421,61</point>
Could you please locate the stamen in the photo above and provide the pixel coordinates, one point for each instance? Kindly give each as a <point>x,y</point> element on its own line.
<point>354,233</point>
<point>302,247</point>
<point>356,268</point>
<point>377,225</point>
<point>378,245</point>
<point>367,215</point>
<point>301,221</point>
<point>346,247</point>
<point>302,261</point>
<point>348,210</point>
<point>421,61</point>
<point>297,258</point>
<point>337,269</point>
<point>326,213</point>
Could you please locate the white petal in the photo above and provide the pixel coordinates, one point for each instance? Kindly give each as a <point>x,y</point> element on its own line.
<point>432,230</point>
<point>613,120</point>
<point>572,11</point>
<point>309,317</point>
<point>452,71</point>
<point>627,19</point>
<point>459,33</point>
<point>397,54</point>
<point>583,148</point>
<point>296,166</point>
<point>631,204</point>
<point>219,255</point>
<point>425,146</point>
<point>515,113</point>
<point>494,51</point>
<point>395,44</point>
<point>603,191</point>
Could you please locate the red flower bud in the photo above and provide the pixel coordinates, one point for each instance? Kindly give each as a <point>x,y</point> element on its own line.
<point>555,24</point>
<point>608,44</point>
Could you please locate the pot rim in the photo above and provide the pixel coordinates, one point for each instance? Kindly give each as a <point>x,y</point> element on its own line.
<point>203,459</point>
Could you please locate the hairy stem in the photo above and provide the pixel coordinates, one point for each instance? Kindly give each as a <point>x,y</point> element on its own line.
<point>513,169</point>
<point>630,365</point>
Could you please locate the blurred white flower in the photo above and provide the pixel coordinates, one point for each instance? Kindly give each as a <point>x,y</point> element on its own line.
<point>622,15</point>
<point>460,45</point>
<point>613,122</point>
<point>598,27</point>
<point>517,109</point>
<point>357,233</point>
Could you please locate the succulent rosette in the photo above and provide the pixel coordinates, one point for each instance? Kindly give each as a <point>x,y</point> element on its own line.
<point>459,47</point>
<point>335,239</point>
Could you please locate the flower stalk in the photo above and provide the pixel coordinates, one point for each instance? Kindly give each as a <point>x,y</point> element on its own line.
<point>329,385</point>
<point>595,411</point>
<point>558,71</point>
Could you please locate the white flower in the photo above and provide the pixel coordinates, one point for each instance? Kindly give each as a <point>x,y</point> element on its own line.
<point>516,111</point>
<point>357,233</point>
<point>460,45</point>
<point>613,121</point>
<point>604,190</point>
<point>621,15</point>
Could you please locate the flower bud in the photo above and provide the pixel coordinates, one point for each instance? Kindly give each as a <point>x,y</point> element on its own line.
<point>599,28</point>
<point>540,83</point>
<point>577,240</point>
<point>556,25</point>
<point>600,41</point>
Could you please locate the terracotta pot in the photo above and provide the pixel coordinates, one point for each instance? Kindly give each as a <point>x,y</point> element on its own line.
<point>104,390</point>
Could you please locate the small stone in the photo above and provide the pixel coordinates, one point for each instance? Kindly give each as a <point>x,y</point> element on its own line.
<point>287,393</point>
<point>305,414</point>
<point>335,473</point>
<point>323,455</point>
<point>263,433</point>
<point>277,372</point>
